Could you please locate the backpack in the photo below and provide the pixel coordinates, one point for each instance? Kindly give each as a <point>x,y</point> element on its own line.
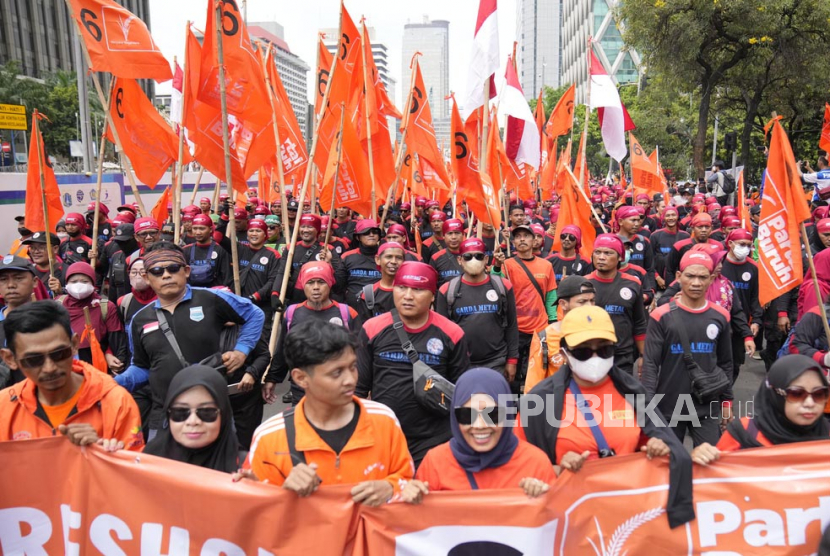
<point>118,270</point>
<point>454,289</point>
<point>344,315</point>
<point>104,305</point>
<point>369,296</point>
<point>729,184</point>
<point>201,274</point>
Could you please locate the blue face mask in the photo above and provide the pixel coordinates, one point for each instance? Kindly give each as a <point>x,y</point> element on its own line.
<point>627,256</point>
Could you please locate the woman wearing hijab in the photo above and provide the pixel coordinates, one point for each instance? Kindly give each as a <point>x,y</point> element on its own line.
<point>198,428</point>
<point>482,452</point>
<point>80,287</point>
<point>788,408</point>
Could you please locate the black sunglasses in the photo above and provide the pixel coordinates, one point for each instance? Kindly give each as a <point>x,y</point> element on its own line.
<point>470,256</point>
<point>585,353</point>
<point>158,271</point>
<point>467,415</point>
<point>205,414</point>
<point>567,237</point>
<point>797,394</point>
<point>37,361</point>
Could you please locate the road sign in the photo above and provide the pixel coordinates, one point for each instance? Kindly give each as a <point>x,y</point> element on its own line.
<point>13,116</point>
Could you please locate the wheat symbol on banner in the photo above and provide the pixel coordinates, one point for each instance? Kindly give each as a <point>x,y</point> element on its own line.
<point>620,536</point>
<point>125,26</point>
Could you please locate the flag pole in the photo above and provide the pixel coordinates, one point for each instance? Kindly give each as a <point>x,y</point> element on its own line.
<point>216,194</point>
<point>93,256</point>
<point>485,124</point>
<point>392,194</point>
<point>364,38</point>
<point>584,139</point>
<point>179,191</point>
<point>280,168</point>
<point>336,174</point>
<point>40,150</point>
<point>196,186</point>
<point>227,146</point>
<point>806,240</point>
<point>587,200</point>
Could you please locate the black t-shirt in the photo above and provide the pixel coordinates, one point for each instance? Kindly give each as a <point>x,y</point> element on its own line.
<point>337,439</point>
<point>446,264</point>
<point>361,271</point>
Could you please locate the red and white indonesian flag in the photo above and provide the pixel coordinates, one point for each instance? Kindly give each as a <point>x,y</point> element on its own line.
<point>606,99</point>
<point>521,136</point>
<point>484,60</point>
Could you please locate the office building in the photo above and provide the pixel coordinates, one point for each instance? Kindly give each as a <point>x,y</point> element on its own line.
<point>432,39</point>
<point>292,69</point>
<point>584,18</point>
<point>540,50</point>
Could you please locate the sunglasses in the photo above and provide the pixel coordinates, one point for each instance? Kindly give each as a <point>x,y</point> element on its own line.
<point>181,414</point>
<point>272,227</point>
<point>470,256</point>
<point>158,271</point>
<point>585,353</point>
<point>37,361</point>
<point>567,237</point>
<point>797,394</point>
<point>467,415</point>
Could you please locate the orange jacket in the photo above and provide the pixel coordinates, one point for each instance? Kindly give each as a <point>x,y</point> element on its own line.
<point>102,404</point>
<point>376,451</point>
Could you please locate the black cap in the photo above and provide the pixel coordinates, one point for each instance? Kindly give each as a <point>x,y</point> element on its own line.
<point>573,285</point>
<point>293,205</point>
<point>524,228</point>
<point>124,232</point>
<point>20,218</point>
<point>40,237</point>
<point>12,262</point>
<point>755,210</point>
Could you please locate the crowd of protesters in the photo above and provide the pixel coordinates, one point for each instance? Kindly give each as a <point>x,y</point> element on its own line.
<point>410,344</point>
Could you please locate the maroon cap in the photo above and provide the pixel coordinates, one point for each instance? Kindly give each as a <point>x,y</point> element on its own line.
<point>418,275</point>
<point>390,245</point>
<point>823,225</point>
<point>81,268</point>
<point>697,257</point>
<point>420,201</point>
<point>146,223</point>
<point>668,210</point>
<point>406,206</point>
<point>205,200</point>
<point>311,220</point>
<point>316,269</point>
<point>440,215</point>
<point>609,241</point>
<point>202,220</point>
<point>739,234</point>
<point>192,209</point>
<point>126,216</point>
<point>432,204</point>
<point>240,213</point>
<point>262,209</point>
<point>574,231</point>
<point>366,226</point>
<point>529,204</point>
<point>627,212</point>
<point>452,225</point>
<point>75,218</point>
<point>642,197</point>
<point>538,229</point>
<point>187,217</point>
<point>472,245</point>
<point>102,207</point>
<point>731,222</point>
<point>257,224</point>
<point>710,201</point>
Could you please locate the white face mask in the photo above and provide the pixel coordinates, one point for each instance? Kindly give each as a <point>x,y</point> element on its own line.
<point>62,235</point>
<point>741,252</point>
<point>593,370</point>
<point>139,283</point>
<point>80,290</point>
<point>474,267</point>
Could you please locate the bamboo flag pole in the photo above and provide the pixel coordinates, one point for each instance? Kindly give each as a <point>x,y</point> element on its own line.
<point>336,175</point>
<point>237,286</point>
<point>819,297</point>
<point>196,186</point>
<point>280,168</point>
<point>364,38</point>
<point>587,200</point>
<point>485,124</point>
<point>93,256</point>
<point>392,194</point>
<point>216,194</point>
<point>39,149</point>
<point>179,189</point>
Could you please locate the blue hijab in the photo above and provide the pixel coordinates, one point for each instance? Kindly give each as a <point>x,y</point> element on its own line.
<point>492,383</point>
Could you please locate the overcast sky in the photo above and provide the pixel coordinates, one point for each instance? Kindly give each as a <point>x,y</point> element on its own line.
<point>302,19</point>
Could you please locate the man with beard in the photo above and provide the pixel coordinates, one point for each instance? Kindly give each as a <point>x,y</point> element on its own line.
<point>701,227</point>
<point>376,299</point>
<point>568,260</point>
<point>445,261</point>
<point>662,241</point>
<point>210,264</point>
<point>55,279</point>
<point>359,263</point>
<point>485,308</point>
<point>77,246</point>
<point>308,249</point>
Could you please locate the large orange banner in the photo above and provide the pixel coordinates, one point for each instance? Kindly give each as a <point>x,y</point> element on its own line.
<point>60,499</point>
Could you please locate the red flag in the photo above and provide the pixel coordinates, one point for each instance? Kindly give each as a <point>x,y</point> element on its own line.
<point>159,211</point>
<point>783,209</point>
<point>521,138</point>
<point>824,140</point>
<point>147,139</point>
<point>292,150</point>
<point>34,212</point>
<point>246,94</point>
<point>574,209</point>
<point>118,41</point>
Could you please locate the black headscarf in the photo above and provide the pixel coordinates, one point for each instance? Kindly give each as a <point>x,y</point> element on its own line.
<point>222,454</point>
<point>679,508</point>
<point>769,418</point>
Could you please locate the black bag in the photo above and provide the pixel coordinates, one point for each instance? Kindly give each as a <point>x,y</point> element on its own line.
<point>729,184</point>
<point>706,386</point>
<point>214,360</point>
<point>432,390</point>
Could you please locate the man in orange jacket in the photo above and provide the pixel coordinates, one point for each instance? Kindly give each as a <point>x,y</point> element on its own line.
<point>331,437</point>
<point>59,391</point>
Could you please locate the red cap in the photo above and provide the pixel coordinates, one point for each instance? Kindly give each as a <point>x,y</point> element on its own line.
<point>418,275</point>
<point>146,223</point>
<point>311,220</point>
<point>192,209</point>
<point>126,216</point>
<point>257,224</point>
<point>253,200</point>
<point>202,220</point>
<point>472,245</point>
<point>701,219</point>
<point>406,206</point>
<point>596,199</point>
<point>529,204</point>
<point>187,217</point>
<point>668,210</point>
<point>731,222</point>
<point>538,229</point>
<point>728,211</point>
<point>711,207</point>
<point>102,207</point>
<point>452,225</point>
<point>240,213</point>
<point>364,226</point>
<point>81,268</point>
<point>439,215</point>
<point>205,200</point>
<point>554,213</point>
<point>698,197</point>
<point>575,231</point>
<point>262,209</point>
<point>420,201</point>
<point>643,197</point>
<point>316,270</point>
<point>390,245</point>
<point>223,196</point>
<point>627,211</point>
<point>609,241</point>
<point>740,234</point>
<point>710,201</point>
<point>432,204</point>
<point>697,257</point>
<point>823,226</point>
<point>75,218</point>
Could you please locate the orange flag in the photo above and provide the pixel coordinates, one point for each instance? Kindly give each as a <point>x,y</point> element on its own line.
<point>265,179</point>
<point>548,175</point>
<point>644,173</point>
<point>246,94</point>
<point>292,150</point>
<point>98,359</point>
<point>578,163</point>
<point>325,60</point>
<point>539,116</point>
<point>148,141</point>
<point>562,118</point>
<point>574,209</point>
<point>561,169</point>
<point>160,212</point>
<point>420,137</point>
<point>783,209</point>
<point>743,210</point>
<point>118,41</point>
<point>34,213</point>
<point>353,180</point>
<point>824,141</point>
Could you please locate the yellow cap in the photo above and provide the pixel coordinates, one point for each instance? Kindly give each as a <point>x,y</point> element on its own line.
<point>587,323</point>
